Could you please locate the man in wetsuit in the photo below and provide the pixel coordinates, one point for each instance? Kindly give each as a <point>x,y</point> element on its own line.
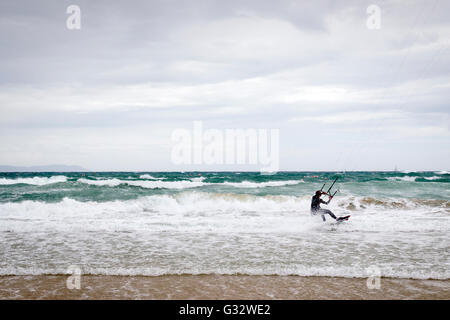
<point>315,205</point>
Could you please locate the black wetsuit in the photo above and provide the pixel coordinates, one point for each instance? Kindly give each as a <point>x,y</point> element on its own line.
<point>316,209</point>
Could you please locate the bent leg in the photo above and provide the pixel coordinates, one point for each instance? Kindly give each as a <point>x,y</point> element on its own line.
<point>326,211</point>
<point>316,212</point>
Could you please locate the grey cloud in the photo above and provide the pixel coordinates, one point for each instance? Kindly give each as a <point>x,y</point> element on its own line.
<point>229,63</point>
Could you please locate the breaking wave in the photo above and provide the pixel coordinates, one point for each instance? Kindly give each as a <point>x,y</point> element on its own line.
<point>38,181</point>
<point>405,178</point>
<point>137,223</point>
<point>185,184</point>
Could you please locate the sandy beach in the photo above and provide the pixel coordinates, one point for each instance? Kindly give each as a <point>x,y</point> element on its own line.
<point>218,287</point>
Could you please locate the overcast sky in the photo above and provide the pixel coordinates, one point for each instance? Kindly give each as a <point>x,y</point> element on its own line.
<point>109,95</point>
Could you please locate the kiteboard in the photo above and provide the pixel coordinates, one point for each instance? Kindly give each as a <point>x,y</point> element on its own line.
<point>342,219</point>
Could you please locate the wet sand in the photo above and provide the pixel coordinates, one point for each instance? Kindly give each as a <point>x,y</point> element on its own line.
<point>218,287</point>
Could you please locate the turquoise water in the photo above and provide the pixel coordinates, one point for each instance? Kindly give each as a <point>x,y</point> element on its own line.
<point>108,186</point>
<point>152,223</point>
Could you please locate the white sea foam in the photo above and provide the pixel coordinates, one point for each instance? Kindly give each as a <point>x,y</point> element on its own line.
<point>39,181</point>
<point>227,233</point>
<point>180,184</point>
<point>405,178</point>
<point>305,271</point>
<point>188,203</point>
<point>249,184</point>
<point>149,177</point>
<point>185,203</point>
<point>432,178</point>
<point>185,184</point>
<point>198,179</point>
<point>108,182</point>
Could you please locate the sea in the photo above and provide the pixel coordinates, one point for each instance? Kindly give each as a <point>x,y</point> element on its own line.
<point>225,223</point>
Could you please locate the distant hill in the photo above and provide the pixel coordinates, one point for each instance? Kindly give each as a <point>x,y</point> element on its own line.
<point>48,168</point>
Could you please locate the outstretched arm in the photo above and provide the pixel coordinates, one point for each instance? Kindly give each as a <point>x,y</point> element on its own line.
<point>329,198</point>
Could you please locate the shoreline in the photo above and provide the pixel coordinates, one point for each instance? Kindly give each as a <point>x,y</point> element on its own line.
<point>218,287</point>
